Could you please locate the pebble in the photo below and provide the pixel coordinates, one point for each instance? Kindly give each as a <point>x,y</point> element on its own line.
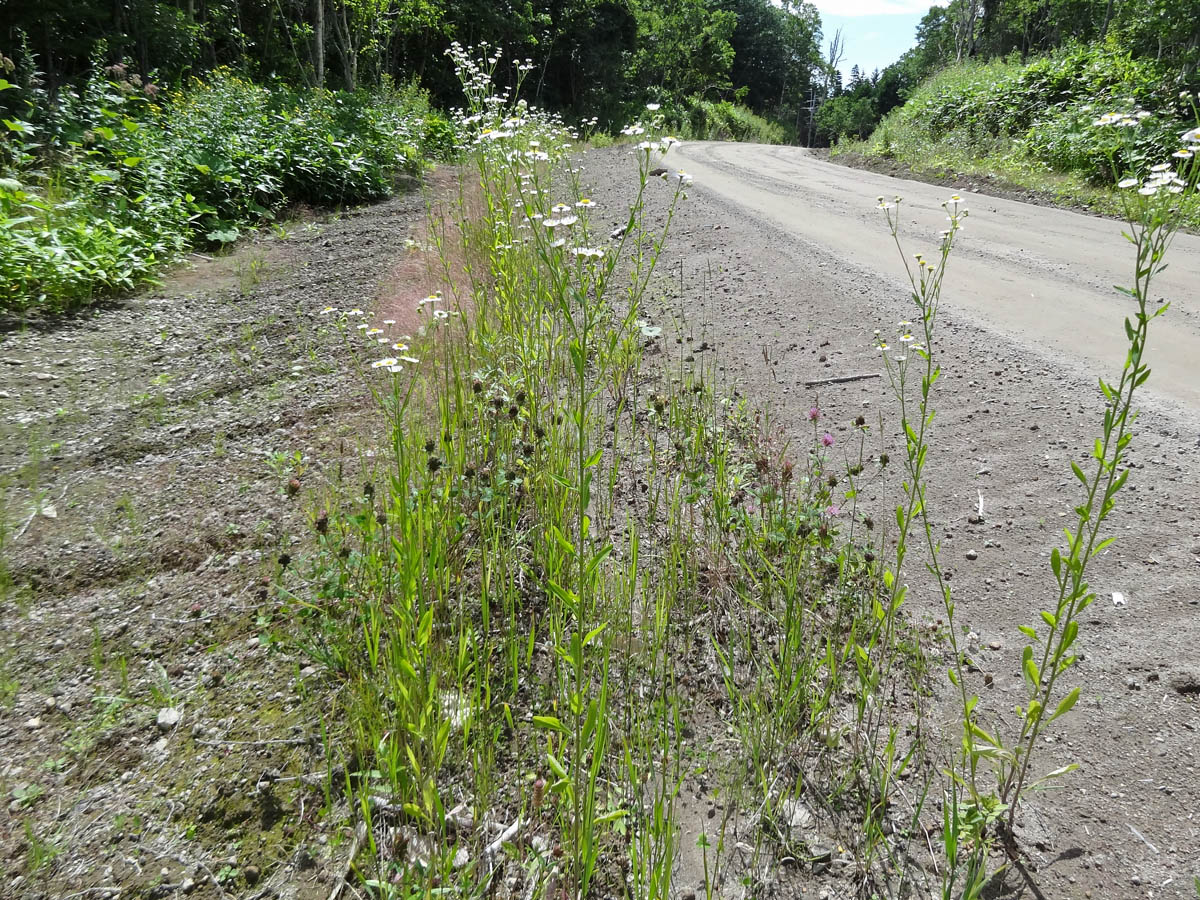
<point>33,724</point>
<point>168,718</point>
<point>972,554</point>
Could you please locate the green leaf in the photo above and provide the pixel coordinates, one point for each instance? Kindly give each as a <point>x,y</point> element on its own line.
<point>594,633</point>
<point>105,132</point>
<point>1064,705</point>
<point>1069,633</point>
<point>555,766</point>
<point>223,235</point>
<point>1029,669</point>
<point>131,161</point>
<point>1049,618</point>
<point>551,723</point>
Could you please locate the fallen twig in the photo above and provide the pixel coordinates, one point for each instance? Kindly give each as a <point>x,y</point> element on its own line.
<point>295,742</point>
<point>505,836</point>
<point>821,382</point>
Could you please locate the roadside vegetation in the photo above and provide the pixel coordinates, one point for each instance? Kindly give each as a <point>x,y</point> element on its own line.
<point>1008,96</point>
<point>104,186</point>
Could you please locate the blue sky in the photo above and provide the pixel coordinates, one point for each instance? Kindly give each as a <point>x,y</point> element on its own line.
<point>876,32</point>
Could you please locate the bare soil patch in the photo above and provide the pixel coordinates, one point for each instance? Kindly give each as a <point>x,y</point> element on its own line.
<point>158,740</point>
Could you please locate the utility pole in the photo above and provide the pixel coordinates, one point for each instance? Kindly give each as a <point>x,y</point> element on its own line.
<point>813,106</point>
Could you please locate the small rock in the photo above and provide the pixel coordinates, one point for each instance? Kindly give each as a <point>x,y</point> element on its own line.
<point>1185,681</point>
<point>33,724</point>
<point>972,554</point>
<point>187,885</point>
<point>796,815</point>
<point>994,645</point>
<point>1118,599</point>
<point>168,718</point>
<point>251,874</point>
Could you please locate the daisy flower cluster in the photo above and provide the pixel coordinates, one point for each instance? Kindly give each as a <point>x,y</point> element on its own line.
<point>906,343</point>
<point>1165,177</point>
<point>377,334</point>
<point>493,120</point>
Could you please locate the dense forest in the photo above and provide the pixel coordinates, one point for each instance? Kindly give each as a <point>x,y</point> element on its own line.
<point>591,58</point>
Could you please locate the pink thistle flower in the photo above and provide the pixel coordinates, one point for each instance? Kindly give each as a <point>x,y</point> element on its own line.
<point>814,414</point>
<point>827,439</point>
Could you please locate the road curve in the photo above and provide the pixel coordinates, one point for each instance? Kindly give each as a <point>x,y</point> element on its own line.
<point>1040,276</point>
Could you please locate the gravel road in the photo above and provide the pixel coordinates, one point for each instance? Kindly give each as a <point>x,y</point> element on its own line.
<point>1038,276</point>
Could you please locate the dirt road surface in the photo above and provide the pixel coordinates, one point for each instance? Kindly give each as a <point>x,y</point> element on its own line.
<point>792,268</point>
<point>1039,276</point>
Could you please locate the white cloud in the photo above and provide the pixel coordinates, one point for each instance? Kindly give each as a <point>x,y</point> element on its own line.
<point>874,7</point>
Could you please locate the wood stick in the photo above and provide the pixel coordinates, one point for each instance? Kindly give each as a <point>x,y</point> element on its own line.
<point>843,380</point>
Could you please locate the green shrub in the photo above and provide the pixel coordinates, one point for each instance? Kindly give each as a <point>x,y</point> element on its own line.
<point>706,120</point>
<point>103,184</point>
<point>1038,114</point>
<point>846,116</point>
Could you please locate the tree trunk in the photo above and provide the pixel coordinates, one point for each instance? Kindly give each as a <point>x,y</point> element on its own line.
<point>1107,19</point>
<point>319,44</point>
<point>346,47</point>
